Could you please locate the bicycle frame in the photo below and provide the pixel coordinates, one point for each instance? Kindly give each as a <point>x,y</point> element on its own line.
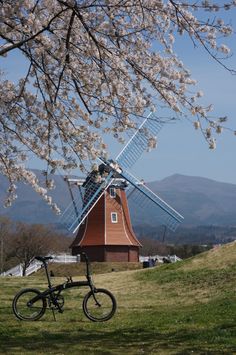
<point>59,288</point>
<point>98,304</point>
<point>66,285</point>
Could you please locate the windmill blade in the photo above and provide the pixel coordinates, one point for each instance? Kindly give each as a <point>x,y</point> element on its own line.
<point>139,142</point>
<point>167,215</point>
<point>92,191</point>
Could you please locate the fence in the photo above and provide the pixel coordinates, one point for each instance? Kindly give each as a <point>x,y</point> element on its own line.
<point>66,258</point>
<point>36,265</point>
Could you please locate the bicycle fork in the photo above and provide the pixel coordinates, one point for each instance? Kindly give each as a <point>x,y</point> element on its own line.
<point>95,299</point>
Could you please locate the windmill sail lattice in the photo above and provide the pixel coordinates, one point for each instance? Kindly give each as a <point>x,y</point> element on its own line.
<point>165,213</point>
<point>92,190</point>
<point>139,143</point>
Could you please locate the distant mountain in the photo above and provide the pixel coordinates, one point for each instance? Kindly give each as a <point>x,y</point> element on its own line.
<point>201,201</point>
<point>29,206</point>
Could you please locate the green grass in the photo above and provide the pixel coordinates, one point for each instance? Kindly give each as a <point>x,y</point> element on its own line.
<point>183,308</point>
<point>78,269</point>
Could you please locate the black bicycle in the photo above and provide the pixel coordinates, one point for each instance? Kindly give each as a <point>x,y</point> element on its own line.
<point>30,304</point>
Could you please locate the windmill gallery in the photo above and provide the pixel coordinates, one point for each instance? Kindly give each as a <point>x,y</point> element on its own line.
<point>100,214</point>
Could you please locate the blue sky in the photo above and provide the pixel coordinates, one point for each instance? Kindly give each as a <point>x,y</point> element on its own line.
<point>181,149</point>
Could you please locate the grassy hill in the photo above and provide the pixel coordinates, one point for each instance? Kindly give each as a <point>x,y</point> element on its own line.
<point>183,308</point>
<point>78,269</point>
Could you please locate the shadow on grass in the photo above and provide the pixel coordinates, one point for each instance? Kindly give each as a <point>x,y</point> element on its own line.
<point>136,340</point>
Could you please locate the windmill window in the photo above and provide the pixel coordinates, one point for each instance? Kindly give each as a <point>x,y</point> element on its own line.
<point>112,192</point>
<point>114,217</point>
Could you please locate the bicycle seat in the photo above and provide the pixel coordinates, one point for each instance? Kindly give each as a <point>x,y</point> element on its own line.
<point>43,258</point>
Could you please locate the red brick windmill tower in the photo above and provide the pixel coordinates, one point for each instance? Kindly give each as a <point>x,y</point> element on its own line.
<point>101,216</point>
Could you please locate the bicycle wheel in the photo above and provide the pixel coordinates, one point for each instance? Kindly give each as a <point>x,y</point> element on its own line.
<point>24,306</point>
<point>100,305</point>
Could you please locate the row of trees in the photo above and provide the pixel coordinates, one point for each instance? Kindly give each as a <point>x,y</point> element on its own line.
<point>183,251</point>
<point>195,235</point>
<point>19,243</point>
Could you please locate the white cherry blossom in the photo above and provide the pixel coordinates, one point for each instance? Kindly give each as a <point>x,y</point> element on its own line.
<point>95,67</point>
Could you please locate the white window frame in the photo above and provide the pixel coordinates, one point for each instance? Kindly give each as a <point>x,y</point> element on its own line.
<point>112,192</point>
<point>114,217</point>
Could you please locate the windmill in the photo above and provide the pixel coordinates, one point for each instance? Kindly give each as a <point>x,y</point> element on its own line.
<point>100,215</point>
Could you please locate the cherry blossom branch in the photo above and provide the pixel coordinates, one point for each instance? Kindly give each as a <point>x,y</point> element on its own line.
<point>19,44</point>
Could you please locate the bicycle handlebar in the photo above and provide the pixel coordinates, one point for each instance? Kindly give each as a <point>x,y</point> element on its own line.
<point>43,259</point>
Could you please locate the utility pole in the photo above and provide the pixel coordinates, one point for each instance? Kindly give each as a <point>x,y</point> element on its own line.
<point>164,234</point>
